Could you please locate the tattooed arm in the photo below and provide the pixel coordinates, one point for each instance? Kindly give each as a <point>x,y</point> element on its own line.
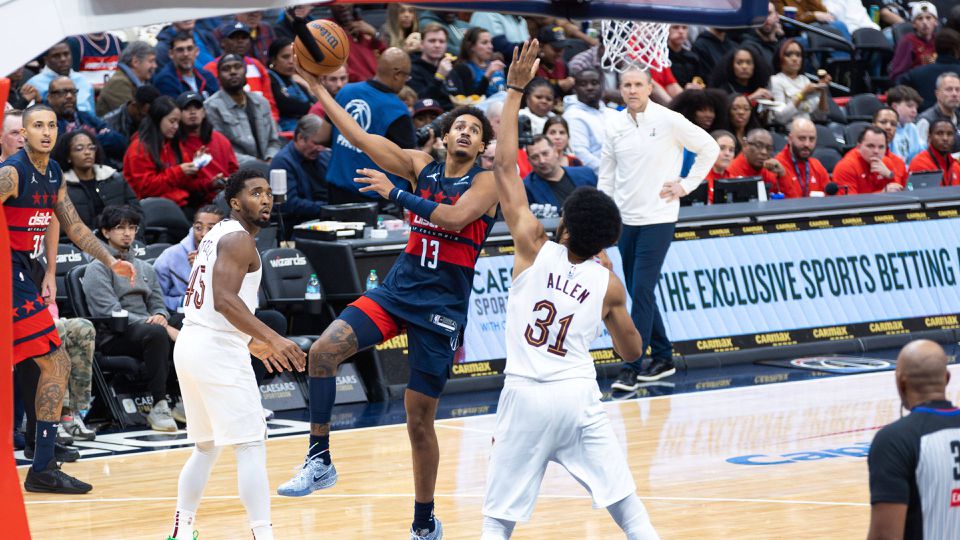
<point>9,183</point>
<point>84,239</point>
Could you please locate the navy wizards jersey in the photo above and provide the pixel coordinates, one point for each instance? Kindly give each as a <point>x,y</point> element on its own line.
<point>29,213</point>
<point>430,283</point>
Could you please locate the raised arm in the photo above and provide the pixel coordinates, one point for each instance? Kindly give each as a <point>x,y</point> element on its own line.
<point>527,231</point>
<point>383,152</point>
<point>236,253</point>
<point>81,236</point>
<point>626,338</point>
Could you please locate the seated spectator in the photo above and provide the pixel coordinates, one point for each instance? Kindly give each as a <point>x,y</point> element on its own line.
<point>174,264</point>
<point>197,137</point>
<point>455,27</point>
<point>181,73</point>
<point>95,56</point>
<point>21,94</point>
<point>550,182</point>
<point>207,47</point>
<point>741,118</point>
<point>261,34</point>
<point>803,174</point>
<point>137,64</point>
<point>923,79</point>
<point>333,83</point>
<point>236,40</point>
<point>539,97</point>
<point>476,71</point>
<point>937,157</point>
<point>306,161</point>
<point>291,17</point>
<point>155,166</point>
<point>402,28</point>
<point>126,118</point>
<point>863,169</point>
<point>91,185</point>
<point>808,11</point>
<point>705,108</point>
<point>365,43</point>
<point>851,14</point>
<point>408,97</point>
<point>431,66</point>
<point>293,97</point>
<point>916,48</point>
<point>425,111</point>
<point>907,142</point>
<point>756,160</point>
<point>487,158</point>
<point>556,131</point>
<point>711,46</point>
<point>79,338</point>
<point>583,112</point>
<point>507,30</point>
<point>800,97</point>
<point>57,62</point>
<point>743,71</point>
<point>766,37</point>
<point>887,120</point>
<point>242,117</point>
<point>553,41</point>
<point>727,143</point>
<point>683,62</point>
<point>148,337</point>
<point>11,139</point>
<point>947,107</point>
<point>62,98</point>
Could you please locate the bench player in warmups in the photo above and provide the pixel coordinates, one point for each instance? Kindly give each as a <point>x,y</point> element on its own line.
<point>561,294</point>
<point>426,292</point>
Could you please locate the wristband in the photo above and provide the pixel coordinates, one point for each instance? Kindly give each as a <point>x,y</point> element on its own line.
<point>512,87</point>
<point>418,205</point>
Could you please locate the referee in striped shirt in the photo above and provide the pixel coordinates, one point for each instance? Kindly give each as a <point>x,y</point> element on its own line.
<point>915,462</point>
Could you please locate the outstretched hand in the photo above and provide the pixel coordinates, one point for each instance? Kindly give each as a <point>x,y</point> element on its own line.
<point>313,81</point>
<point>525,64</point>
<point>125,269</point>
<point>375,181</point>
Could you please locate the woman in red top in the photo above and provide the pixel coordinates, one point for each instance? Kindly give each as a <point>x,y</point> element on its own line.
<point>154,164</point>
<point>937,156</point>
<point>728,144</point>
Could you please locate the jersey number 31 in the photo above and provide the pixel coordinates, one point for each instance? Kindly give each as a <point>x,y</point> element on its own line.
<point>196,288</point>
<point>538,333</point>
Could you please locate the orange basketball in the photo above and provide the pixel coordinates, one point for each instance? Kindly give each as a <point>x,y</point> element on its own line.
<point>333,48</point>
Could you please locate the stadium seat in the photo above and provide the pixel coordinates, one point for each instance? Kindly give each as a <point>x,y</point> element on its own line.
<point>163,221</point>
<point>284,285</point>
<point>835,113</point>
<point>901,30</point>
<point>829,157</point>
<point>68,257</point>
<point>827,138</point>
<point>852,133</point>
<point>574,48</point>
<point>862,106</point>
<point>779,141</point>
<point>153,251</point>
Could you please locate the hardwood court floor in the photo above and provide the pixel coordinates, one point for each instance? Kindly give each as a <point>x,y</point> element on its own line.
<point>680,447</point>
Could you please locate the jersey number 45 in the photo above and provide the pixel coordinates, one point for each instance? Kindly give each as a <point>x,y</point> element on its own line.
<point>196,289</point>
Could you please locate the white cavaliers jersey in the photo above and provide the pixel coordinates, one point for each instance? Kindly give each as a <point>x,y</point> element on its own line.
<point>198,301</point>
<point>554,312</point>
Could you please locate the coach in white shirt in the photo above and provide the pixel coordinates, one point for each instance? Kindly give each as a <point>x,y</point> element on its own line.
<point>640,168</point>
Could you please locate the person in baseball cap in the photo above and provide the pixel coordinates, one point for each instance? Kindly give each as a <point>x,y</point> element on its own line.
<point>425,111</point>
<point>916,48</point>
<point>188,98</point>
<point>920,8</point>
<point>553,40</point>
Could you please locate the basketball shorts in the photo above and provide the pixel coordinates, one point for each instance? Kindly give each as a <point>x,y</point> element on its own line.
<point>563,422</point>
<point>34,332</point>
<point>220,393</point>
<point>430,353</point>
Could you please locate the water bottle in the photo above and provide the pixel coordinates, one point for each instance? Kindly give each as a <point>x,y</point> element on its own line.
<point>372,280</point>
<point>313,288</point>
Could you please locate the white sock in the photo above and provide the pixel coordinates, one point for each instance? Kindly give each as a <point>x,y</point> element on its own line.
<point>497,529</point>
<point>193,479</point>
<point>254,486</point>
<point>632,517</point>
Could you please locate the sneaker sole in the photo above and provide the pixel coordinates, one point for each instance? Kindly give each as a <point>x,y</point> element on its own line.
<point>163,429</point>
<point>62,490</point>
<point>623,387</point>
<point>657,377</point>
<point>316,486</point>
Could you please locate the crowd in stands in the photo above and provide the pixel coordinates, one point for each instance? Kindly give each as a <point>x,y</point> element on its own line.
<point>173,115</point>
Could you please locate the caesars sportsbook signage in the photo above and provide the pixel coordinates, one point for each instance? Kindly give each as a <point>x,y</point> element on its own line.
<point>766,285</point>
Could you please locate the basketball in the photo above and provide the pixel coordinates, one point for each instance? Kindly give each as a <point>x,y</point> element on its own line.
<point>330,51</point>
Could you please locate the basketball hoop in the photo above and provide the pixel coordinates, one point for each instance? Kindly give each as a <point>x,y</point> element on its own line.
<point>634,44</point>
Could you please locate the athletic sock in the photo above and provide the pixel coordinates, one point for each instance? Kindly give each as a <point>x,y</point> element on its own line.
<point>45,441</point>
<point>262,531</point>
<point>183,522</point>
<point>423,516</point>
<point>323,392</point>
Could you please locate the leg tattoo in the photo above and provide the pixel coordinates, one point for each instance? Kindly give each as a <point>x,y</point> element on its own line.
<point>54,372</point>
<point>337,343</point>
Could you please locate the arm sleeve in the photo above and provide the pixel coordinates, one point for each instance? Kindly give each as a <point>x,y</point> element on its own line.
<point>102,301</point>
<point>165,279</point>
<point>892,462</point>
<point>608,167</point>
<point>402,133</point>
<point>698,141</point>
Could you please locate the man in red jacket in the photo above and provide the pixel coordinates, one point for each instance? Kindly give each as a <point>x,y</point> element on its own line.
<point>197,137</point>
<point>863,169</point>
<point>235,39</point>
<point>755,160</point>
<point>803,173</point>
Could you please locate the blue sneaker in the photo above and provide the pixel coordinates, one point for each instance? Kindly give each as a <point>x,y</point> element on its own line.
<point>425,534</point>
<point>313,475</point>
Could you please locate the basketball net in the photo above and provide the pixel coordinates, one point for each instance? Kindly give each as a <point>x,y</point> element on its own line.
<point>634,44</point>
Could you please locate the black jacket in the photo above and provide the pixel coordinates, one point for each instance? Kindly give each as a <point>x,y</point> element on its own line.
<point>424,82</point>
<point>91,196</point>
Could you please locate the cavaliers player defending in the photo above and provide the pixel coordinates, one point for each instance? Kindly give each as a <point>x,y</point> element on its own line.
<point>550,406</point>
<point>426,292</point>
<point>33,191</point>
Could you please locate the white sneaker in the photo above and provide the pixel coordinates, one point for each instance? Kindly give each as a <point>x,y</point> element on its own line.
<point>179,413</point>
<point>268,415</point>
<point>63,436</point>
<point>74,426</point>
<point>160,418</point>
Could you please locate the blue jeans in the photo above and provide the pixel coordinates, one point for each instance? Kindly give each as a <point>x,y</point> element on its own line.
<point>643,249</point>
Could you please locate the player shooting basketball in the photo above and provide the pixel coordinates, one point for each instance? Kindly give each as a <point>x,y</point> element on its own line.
<point>550,409</point>
<point>426,292</point>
